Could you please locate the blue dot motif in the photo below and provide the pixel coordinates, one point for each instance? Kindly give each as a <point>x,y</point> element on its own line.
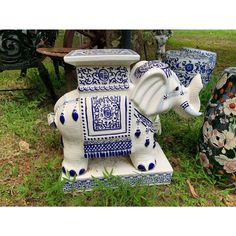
<point>75,115</point>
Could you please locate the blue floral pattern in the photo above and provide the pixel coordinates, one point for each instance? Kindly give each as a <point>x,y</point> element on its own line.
<point>187,63</point>
<point>189,67</point>
<point>211,55</point>
<point>149,179</point>
<point>102,78</point>
<point>110,52</point>
<point>141,70</point>
<point>106,113</point>
<point>102,119</point>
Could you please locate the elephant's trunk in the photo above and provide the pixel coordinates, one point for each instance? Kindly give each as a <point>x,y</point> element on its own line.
<point>186,111</point>
<point>186,107</point>
<point>191,106</point>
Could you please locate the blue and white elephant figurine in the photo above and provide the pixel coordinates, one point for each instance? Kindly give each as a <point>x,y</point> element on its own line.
<point>111,113</point>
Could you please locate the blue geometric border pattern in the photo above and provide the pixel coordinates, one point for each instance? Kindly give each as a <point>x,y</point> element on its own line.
<point>107,51</point>
<point>110,148</point>
<point>103,116</point>
<point>144,120</point>
<point>141,70</point>
<point>102,78</point>
<point>106,122</point>
<point>149,179</point>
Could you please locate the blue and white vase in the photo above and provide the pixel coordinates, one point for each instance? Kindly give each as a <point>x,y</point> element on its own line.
<point>217,145</point>
<point>186,63</point>
<point>211,55</point>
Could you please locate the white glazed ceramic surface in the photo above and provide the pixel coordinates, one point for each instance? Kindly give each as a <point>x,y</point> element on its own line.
<point>101,56</point>
<point>109,116</point>
<point>161,174</point>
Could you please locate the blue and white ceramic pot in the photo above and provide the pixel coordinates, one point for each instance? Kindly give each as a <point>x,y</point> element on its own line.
<point>218,135</point>
<point>186,63</point>
<point>212,56</point>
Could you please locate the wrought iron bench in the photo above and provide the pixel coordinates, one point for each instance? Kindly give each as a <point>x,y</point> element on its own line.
<point>18,52</point>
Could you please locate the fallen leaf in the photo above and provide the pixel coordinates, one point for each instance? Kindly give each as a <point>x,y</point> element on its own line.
<point>229,200</point>
<point>192,190</point>
<point>170,140</point>
<point>24,146</point>
<point>115,43</point>
<point>38,121</point>
<point>174,161</point>
<point>225,202</point>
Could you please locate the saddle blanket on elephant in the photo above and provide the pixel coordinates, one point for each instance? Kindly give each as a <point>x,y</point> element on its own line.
<point>106,122</point>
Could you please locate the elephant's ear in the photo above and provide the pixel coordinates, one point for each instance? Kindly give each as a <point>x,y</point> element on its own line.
<point>149,90</point>
<point>136,71</point>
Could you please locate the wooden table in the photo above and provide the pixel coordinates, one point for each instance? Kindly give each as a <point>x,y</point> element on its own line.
<point>56,55</point>
<point>97,38</point>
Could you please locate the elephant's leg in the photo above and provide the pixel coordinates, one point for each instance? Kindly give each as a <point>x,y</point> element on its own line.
<point>144,153</point>
<point>145,160</point>
<point>74,163</point>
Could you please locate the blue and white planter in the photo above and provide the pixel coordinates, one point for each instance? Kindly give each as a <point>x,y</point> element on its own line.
<point>212,56</point>
<point>186,63</point>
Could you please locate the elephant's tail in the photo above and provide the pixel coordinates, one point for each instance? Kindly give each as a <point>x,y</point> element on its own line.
<point>51,120</point>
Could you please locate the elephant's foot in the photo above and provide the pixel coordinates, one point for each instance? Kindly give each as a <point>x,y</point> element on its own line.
<point>144,161</point>
<point>73,168</point>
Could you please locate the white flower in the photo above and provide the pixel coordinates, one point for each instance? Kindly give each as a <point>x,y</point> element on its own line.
<point>222,81</point>
<point>230,140</point>
<point>230,106</point>
<point>212,116</point>
<point>212,104</point>
<point>223,121</point>
<point>210,151</point>
<point>221,108</point>
<point>217,138</point>
<point>207,128</point>
<point>229,164</point>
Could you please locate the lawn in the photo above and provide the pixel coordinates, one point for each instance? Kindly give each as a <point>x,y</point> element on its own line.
<point>30,175</point>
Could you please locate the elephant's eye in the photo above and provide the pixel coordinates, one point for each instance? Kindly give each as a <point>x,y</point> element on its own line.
<point>177,88</point>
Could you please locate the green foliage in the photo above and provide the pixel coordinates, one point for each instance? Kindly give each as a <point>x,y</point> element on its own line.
<point>148,37</point>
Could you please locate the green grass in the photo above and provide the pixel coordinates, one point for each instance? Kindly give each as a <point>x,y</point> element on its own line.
<point>33,177</point>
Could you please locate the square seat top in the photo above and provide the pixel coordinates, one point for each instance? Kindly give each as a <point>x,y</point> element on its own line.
<point>90,57</point>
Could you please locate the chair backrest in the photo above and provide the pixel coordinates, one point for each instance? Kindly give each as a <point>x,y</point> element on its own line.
<point>18,47</point>
<point>97,38</point>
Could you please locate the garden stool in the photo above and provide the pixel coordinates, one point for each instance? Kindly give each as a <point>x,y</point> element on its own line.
<point>18,52</point>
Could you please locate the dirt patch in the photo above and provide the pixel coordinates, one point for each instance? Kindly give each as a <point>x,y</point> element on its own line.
<point>15,163</point>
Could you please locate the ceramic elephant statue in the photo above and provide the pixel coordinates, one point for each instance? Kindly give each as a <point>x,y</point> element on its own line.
<point>104,123</point>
